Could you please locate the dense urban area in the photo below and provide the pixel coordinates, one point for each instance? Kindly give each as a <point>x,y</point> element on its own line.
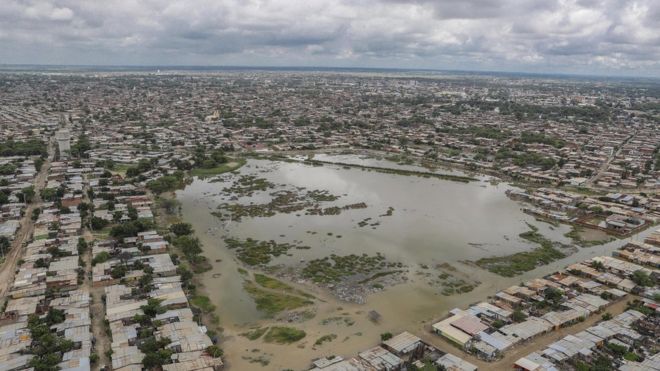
<point>105,265</point>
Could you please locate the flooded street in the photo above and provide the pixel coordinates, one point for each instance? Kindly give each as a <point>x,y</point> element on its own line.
<point>433,221</point>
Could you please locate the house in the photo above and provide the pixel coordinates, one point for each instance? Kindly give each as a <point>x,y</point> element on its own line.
<point>452,363</point>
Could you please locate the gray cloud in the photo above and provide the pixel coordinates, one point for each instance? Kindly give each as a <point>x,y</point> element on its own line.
<point>592,36</point>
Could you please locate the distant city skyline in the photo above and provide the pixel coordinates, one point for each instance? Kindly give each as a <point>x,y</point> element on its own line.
<point>591,37</point>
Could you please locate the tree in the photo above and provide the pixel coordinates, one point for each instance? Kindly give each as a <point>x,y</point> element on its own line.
<point>385,336</point>
<point>27,194</point>
<point>190,246</point>
<point>132,213</point>
<point>101,257</point>
<point>214,351</point>
<point>55,316</point>
<point>641,278</point>
<point>553,295</point>
<point>170,205</point>
<point>118,271</point>
<point>131,228</point>
<point>7,169</point>
<point>35,213</point>
<point>166,183</point>
<point>81,146</point>
<point>181,229</point>
<point>84,209</point>
<point>82,245</point>
<point>4,244</point>
<point>49,194</point>
<point>597,265</point>
<point>98,223</point>
<point>153,307</point>
<point>46,346</point>
<point>518,316</point>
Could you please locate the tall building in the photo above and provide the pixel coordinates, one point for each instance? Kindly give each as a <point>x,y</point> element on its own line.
<point>63,138</point>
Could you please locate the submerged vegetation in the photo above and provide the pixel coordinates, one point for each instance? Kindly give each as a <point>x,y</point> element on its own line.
<point>282,202</point>
<point>334,268</point>
<point>255,333</point>
<point>253,252</point>
<point>284,335</point>
<point>271,302</point>
<point>515,264</point>
<point>246,185</point>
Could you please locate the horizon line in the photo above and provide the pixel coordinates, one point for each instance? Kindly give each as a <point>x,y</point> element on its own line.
<point>4,66</point>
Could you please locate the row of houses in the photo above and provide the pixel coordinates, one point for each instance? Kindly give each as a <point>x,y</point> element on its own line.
<point>519,314</point>
<point>404,351</point>
<point>17,174</point>
<point>143,290</point>
<point>48,288</point>
<point>628,331</point>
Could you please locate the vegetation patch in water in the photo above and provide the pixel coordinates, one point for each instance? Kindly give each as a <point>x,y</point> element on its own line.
<point>335,210</point>
<point>255,334</point>
<point>284,335</point>
<point>325,339</point>
<point>515,264</point>
<point>282,202</point>
<point>334,268</point>
<point>389,212</point>
<point>576,234</point>
<point>450,280</point>
<point>246,185</point>
<point>348,321</point>
<point>253,252</point>
<point>271,302</point>
<point>274,284</point>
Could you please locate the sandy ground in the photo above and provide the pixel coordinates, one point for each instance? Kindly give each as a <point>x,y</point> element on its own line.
<point>590,234</point>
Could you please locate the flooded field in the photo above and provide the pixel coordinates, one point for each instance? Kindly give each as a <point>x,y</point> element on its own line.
<point>428,226</point>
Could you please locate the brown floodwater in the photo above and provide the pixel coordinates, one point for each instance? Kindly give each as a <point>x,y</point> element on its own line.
<point>434,221</point>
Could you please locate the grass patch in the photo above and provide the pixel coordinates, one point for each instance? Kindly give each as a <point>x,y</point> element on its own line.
<point>272,303</point>
<point>255,334</point>
<point>203,302</point>
<point>224,168</point>
<point>120,169</point>
<point>273,284</point>
<point>284,335</point>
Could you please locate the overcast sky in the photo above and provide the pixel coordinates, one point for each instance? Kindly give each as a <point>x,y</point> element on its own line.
<point>615,37</point>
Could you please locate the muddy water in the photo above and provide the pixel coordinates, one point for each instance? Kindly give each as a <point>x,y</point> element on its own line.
<point>434,221</point>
